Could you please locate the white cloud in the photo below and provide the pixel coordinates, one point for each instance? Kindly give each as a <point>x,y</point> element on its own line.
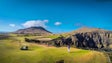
<point>57,23</point>
<point>12,25</point>
<point>35,23</point>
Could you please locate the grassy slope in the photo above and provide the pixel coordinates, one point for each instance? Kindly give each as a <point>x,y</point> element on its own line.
<point>10,53</point>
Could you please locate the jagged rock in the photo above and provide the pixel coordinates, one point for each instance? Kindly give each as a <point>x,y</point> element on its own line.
<point>94,38</point>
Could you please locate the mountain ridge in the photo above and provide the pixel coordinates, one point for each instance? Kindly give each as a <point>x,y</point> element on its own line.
<point>33,30</point>
<point>88,29</point>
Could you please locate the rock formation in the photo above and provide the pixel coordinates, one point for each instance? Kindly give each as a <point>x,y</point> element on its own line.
<point>91,38</point>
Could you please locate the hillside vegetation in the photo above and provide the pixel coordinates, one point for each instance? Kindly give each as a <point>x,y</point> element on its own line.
<point>10,53</point>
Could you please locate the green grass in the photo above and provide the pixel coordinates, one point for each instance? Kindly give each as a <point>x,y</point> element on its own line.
<point>58,35</point>
<point>53,36</point>
<point>10,53</point>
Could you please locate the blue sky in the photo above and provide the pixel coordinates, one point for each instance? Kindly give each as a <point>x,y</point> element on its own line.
<point>55,15</point>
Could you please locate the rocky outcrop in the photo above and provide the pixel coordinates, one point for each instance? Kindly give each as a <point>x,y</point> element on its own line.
<point>89,38</point>
<point>96,38</point>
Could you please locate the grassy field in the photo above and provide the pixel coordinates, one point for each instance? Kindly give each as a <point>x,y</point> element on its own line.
<point>10,53</point>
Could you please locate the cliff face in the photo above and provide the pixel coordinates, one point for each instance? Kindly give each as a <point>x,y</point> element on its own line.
<point>82,38</point>
<point>94,38</point>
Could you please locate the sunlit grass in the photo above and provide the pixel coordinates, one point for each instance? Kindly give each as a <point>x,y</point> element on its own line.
<point>10,53</point>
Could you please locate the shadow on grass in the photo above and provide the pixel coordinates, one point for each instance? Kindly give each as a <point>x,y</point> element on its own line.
<point>60,61</point>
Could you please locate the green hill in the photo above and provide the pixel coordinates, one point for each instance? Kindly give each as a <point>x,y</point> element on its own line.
<point>10,53</point>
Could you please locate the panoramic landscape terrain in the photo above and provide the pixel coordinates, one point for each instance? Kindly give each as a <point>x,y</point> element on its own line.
<point>90,44</point>
<point>55,31</point>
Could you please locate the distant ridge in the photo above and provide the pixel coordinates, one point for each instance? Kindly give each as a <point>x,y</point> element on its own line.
<point>3,32</point>
<point>87,29</point>
<point>33,30</point>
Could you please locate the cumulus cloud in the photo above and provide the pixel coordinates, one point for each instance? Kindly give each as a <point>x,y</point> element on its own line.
<point>57,23</point>
<point>35,23</point>
<point>12,25</point>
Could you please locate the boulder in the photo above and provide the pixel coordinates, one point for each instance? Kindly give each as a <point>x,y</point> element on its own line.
<point>24,48</point>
